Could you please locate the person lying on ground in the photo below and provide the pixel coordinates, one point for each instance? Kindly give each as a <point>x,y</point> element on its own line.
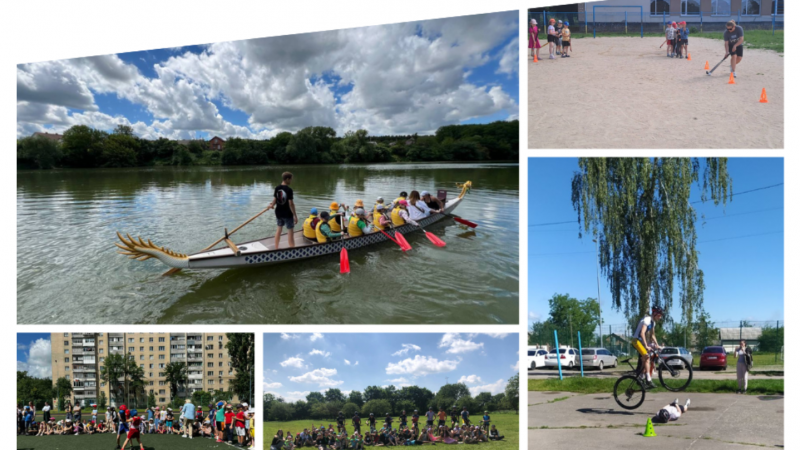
<point>671,412</point>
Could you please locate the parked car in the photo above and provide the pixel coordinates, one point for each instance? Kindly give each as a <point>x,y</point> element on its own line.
<point>536,358</point>
<point>714,357</point>
<point>598,358</point>
<point>684,355</point>
<point>568,357</point>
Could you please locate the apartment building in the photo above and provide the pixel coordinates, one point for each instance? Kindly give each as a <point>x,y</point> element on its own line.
<point>79,356</point>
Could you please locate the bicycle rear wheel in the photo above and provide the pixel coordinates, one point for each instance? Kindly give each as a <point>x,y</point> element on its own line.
<point>675,374</point>
<point>629,392</point>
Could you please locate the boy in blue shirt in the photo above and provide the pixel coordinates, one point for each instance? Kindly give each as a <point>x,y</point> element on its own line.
<point>486,420</point>
<point>684,43</point>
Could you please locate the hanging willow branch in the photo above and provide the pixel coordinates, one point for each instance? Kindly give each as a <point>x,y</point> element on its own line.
<point>638,210</point>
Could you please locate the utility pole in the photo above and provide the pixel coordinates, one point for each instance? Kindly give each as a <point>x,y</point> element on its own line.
<point>599,307</point>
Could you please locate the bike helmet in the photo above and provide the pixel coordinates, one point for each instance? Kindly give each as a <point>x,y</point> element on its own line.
<point>657,310</point>
<point>663,415</point>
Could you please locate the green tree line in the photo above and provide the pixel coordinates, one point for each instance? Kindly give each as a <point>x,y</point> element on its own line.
<point>381,400</point>
<point>85,147</point>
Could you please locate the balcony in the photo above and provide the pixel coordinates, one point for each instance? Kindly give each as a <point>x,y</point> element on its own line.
<point>196,377</point>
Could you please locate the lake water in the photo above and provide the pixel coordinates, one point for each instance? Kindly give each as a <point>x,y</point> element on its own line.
<point>68,271</point>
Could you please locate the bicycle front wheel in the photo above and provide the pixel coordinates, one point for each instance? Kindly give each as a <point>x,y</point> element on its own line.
<point>675,374</point>
<point>629,392</point>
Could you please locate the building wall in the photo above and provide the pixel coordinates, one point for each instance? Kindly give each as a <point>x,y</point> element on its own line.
<point>204,353</point>
<point>608,14</point>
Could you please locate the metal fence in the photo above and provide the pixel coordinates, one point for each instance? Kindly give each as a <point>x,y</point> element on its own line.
<point>632,23</point>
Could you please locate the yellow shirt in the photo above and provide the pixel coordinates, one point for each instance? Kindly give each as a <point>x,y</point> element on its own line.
<point>565,34</point>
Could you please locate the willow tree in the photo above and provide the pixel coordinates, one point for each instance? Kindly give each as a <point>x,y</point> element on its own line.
<point>639,211</point>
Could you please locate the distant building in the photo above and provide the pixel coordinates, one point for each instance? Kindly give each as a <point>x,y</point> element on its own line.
<point>216,143</point>
<point>52,137</point>
<point>730,337</point>
<point>410,141</point>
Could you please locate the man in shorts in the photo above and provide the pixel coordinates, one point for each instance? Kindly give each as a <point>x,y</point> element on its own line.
<point>671,412</point>
<point>188,413</point>
<point>640,339</point>
<point>734,44</point>
<point>429,418</point>
<point>285,214</point>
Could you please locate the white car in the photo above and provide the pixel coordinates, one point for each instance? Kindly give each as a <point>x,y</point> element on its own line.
<point>597,358</point>
<point>536,358</point>
<point>568,357</point>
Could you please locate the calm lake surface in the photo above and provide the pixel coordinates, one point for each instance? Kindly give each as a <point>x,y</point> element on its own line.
<point>68,271</point>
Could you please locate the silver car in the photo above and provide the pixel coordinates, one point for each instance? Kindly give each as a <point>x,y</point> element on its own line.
<point>598,358</point>
<point>681,352</point>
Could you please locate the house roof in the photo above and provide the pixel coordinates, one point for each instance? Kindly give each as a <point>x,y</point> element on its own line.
<point>732,334</point>
<point>53,136</point>
<point>217,137</point>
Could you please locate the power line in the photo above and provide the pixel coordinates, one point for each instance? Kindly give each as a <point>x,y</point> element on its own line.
<point>746,192</point>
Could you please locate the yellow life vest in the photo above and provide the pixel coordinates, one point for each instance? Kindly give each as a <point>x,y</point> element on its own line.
<point>321,238</point>
<point>352,227</point>
<point>376,220</point>
<point>334,222</point>
<point>308,230</point>
<point>396,219</point>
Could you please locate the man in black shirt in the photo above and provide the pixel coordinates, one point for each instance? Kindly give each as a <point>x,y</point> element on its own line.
<point>283,202</point>
<point>357,423</point>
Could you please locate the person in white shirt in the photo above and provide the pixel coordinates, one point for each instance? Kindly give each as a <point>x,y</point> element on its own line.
<point>671,412</point>
<point>46,412</point>
<point>742,366</point>
<point>417,209</point>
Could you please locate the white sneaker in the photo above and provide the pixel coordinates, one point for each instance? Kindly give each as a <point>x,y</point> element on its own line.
<point>190,436</point>
<point>734,74</point>
<point>552,57</point>
<point>687,403</point>
<point>676,402</point>
<point>185,435</point>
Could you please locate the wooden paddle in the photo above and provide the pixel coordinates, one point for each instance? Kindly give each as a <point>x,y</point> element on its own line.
<point>176,270</point>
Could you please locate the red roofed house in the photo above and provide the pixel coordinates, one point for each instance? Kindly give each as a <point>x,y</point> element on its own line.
<point>52,137</point>
<point>216,143</point>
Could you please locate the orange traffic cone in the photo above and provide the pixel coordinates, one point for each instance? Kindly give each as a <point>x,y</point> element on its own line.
<point>763,96</point>
<point>535,58</point>
<point>688,56</point>
<point>706,67</point>
<point>731,80</point>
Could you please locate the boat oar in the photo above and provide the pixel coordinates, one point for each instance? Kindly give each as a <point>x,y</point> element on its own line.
<point>431,237</point>
<point>176,270</point>
<point>402,247</point>
<point>402,240</point>
<point>464,221</point>
<point>344,260</point>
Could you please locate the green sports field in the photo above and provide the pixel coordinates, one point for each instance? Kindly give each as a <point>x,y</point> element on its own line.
<point>108,442</point>
<point>507,424</point>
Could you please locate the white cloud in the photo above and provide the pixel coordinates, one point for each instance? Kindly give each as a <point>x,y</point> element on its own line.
<point>286,336</point>
<point>315,336</point>
<point>291,396</point>
<point>398,380</point>
<point>407,348</point>
<point>389,79</point>
<point>320,377</point>
<point>472,379</point>
<point>421,366</point>
<point>533,317</point>
<point>493,388</point>
<point>268,385</point>
<point>456,344</point>
<point>319,352</point>
<point>294,361</point>
<point>38,363</point>
<point>356,363</point>
<point>496,335</point>
<point>515,367</point>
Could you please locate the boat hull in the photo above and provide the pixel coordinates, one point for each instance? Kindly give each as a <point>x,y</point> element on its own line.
<point>255,253</point>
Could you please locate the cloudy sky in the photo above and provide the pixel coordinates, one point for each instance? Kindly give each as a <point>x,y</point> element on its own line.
<point>296,364</point>
<point>389,79</point>
<point>33,354</point>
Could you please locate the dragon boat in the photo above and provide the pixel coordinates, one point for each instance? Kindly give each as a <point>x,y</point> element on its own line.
<point>262,252</point>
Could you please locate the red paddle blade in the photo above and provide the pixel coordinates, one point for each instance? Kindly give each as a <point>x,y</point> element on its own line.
<point>436,241</point>
<point>402,240</point>
<point>466,222</point>
<point>344,261</point>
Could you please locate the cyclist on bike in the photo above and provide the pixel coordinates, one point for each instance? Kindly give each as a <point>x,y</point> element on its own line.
<point>647,325</point>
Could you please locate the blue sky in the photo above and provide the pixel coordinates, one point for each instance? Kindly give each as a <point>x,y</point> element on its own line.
<point>740,244</point>
<point>33,354</point>
<point>404,78</point>
<point>296,364</point>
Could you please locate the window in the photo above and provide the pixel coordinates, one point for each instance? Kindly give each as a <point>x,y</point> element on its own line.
<point>151,357</point>
<point>210,355</point>
<point>162,400</point>
<point>220,338</point>
<point>220,355</point>
<point>220,373</point>
<point>150,340</point>
<point>210,338</point>
<point>210,382</point>
<point>690,7</point>
<point>751,7</point>
<point>141,357</point>
<point>151,348</point>
<point>66,360</point>
<point>67,377</point>
<point>161,348</point>
<point>102,359</point>
<point>141,340</point>
<point>101,351</point>
<point>66,368</point>
<point>659,7</point>
<point>66,351</point>
<point>778,8</point>
<point>66,334</point>
<point>101,342</point>
<point>721,7</point>
<point>141,349</point>
<point>211,364</point>
<point>161,366</point>
<point>210,373</point>
<point>130,340</point>
<point>162,391</point>
<point>160,356</point>
<point>130,349</point>
<point>220,363</point>
<point>66,343</point>
<point>161,339</point>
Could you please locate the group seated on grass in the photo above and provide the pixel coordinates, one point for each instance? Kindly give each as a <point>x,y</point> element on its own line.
<point>328,439</point>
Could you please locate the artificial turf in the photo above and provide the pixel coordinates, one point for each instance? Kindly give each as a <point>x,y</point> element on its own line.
<point>107,441</point>
<point>507,424</point>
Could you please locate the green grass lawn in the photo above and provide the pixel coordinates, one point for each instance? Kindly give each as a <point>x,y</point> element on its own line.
<point>606,385</point>
<point>507,425</point>
<point>752,39</point>
<point>108,441</point>
<point>759,360</point>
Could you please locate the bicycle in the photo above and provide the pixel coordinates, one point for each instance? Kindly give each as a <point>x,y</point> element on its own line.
<point>674,373</point>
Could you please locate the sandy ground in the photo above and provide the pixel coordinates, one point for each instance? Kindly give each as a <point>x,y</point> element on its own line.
<point>619,92</point>
<point>714,421</point>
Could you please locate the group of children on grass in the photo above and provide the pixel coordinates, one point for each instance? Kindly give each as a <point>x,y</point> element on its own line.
<point>462,432</point>
<point>559,39</point>
<point>677,35</point>
<point>221,423</point>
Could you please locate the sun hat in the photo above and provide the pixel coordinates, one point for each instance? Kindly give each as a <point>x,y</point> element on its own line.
<point>359,202</point>
<point>402,203</point>
<point>359,211</point>
<point>313,210</point>
<point>424,193</point>
<point>534,22</point>
<point>334,205</point>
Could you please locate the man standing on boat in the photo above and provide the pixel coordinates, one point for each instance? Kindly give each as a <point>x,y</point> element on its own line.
<point>433,202</point>
<point>283,202</point>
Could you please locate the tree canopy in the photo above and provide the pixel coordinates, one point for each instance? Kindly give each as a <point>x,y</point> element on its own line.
<point>639,210</point>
